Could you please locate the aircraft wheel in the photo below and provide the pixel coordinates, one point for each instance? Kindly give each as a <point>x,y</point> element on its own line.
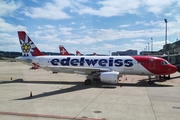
<point>87,82</point>
<point>169,77</point>
<point>96,79</point>
<point>150,82</point>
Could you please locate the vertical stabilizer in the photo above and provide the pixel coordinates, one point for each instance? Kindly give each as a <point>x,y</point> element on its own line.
<point>27,46</point>
<point>63,50</point>
<point>78,53</point>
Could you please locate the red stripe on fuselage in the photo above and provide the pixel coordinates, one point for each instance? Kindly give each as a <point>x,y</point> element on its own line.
<point>154,65</point>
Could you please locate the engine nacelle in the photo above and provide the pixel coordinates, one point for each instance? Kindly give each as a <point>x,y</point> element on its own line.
<point>109,77</point>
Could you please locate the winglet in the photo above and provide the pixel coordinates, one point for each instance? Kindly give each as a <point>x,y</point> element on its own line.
<point>27,46</point>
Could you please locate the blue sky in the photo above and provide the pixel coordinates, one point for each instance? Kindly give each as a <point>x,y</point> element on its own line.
<point>89,25</point>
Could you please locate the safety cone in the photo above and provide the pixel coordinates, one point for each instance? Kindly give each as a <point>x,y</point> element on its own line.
<point>30,94</point>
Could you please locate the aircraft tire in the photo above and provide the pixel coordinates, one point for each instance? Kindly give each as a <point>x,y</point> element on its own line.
<point>169,77</point>
<point>150,82</point>
<point>87,82</point>
<point>160,77</point>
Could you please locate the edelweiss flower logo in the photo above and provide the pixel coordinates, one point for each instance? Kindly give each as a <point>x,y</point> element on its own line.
<point>27,46</point>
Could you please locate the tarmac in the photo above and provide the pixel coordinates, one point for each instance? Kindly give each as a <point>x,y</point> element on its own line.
<point>40,95</point>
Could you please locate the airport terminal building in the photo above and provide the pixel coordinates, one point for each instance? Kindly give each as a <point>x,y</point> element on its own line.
<point>123,53</point>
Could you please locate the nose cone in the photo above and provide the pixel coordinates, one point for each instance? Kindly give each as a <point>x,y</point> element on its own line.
<point>173,69</point>
<point>178,67</point>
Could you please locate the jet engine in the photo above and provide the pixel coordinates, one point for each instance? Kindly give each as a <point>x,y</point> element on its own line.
<point>109,77</point>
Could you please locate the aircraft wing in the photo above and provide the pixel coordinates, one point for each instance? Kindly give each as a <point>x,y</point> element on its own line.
<point>76,69</point>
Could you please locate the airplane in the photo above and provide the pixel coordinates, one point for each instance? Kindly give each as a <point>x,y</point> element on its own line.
<point>63,50</point>
<point>79,54</point>
<point>102,68</point>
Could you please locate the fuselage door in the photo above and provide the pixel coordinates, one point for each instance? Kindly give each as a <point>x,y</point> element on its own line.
<point>151,63</point>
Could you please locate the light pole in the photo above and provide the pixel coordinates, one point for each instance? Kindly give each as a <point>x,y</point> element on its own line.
<point>151,44</point>
<point>148,47</point>
<point>144,50</point>
<point>165,20</point>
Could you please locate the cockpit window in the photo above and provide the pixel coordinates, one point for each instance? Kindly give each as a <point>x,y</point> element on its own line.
<point>164,63</point>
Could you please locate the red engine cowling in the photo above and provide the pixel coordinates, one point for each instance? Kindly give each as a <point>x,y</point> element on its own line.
<point>109,77</point>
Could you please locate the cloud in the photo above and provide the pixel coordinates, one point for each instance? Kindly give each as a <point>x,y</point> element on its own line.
<point>157,6</point>
<point>98,35</point>
<point>36,1</point>
<point>52,11</point>
<point>159,23</point>
<point>65,30</point>
<point>9,42</point>
<point>110,46</point>
<point>73,23</point>
<point>7,27</point>
<point>138,40</point>
<point>123,26</point>
<point>108,8</point>
<point>49,26</point>
<point>70,41</point>
<point>48,47</point>
<point>113,34</point>
<point>8,7</point>
<point>83,27</point>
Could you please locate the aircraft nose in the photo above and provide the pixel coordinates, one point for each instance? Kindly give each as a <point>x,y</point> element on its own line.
<point>173,69</point>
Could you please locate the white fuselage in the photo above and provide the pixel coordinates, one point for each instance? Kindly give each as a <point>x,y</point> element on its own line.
<point>121,64</point>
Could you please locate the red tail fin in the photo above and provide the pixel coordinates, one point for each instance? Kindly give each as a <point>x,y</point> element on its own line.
<point>78,53</point>
<point>63,50</point>
<point>27,46</point>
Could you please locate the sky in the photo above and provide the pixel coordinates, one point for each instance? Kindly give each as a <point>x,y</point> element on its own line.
<point>100,26</point>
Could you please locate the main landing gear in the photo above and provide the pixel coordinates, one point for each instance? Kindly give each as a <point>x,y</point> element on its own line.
<point>90,78</point>
<point>150,81</point>
<point>54,72</point>
<point>87,82</point>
